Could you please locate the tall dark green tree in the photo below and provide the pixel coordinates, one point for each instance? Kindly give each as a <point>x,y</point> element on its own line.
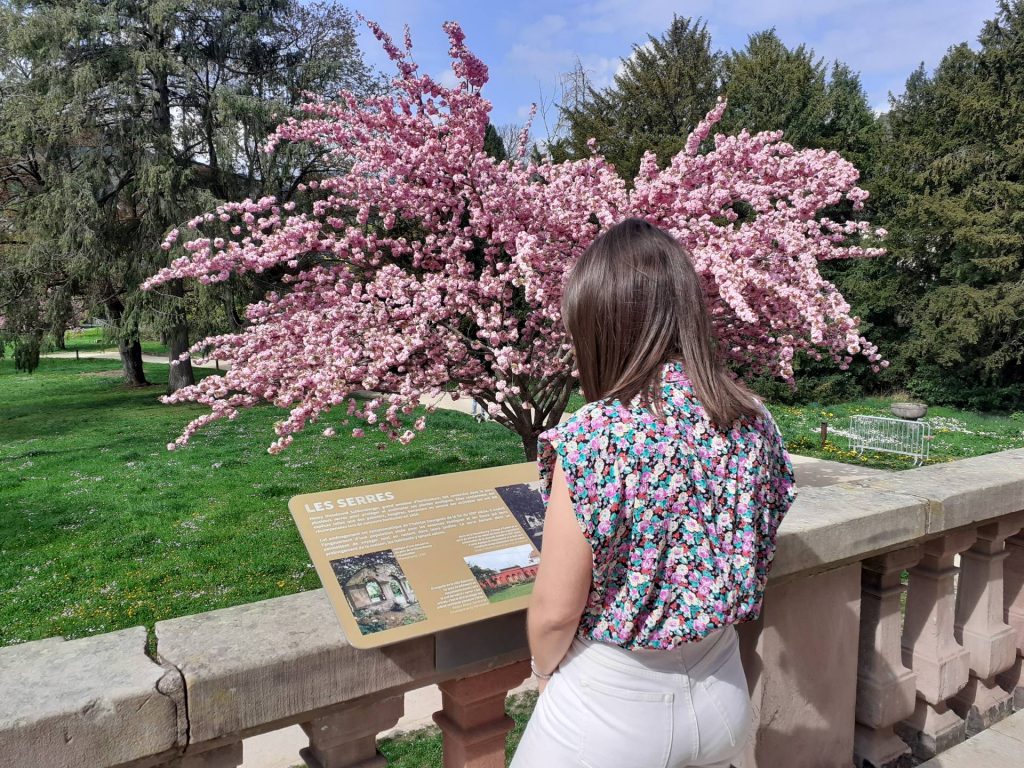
<point>661,92</point>
<point>119,120</point>
<point>850,126</point>
<point>951,191</point>
<point>494,145</point>
<point>771,87</point>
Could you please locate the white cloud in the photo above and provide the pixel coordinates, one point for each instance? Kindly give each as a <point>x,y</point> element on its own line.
<point>503,558</point>
<point>448,78</point>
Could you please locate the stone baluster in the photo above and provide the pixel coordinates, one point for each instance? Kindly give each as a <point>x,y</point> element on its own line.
<point>348,738</point>
<point>1013,602</point>
<point>939,662</point>
<point>980,628</point>
<point>886,689</point>
<point>472,717</point>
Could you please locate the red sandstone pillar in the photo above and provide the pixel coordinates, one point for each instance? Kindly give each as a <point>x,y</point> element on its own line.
<point>940,663</point>
<point>473,720</point>
<point>1013,603</point>
<point>348,738</point>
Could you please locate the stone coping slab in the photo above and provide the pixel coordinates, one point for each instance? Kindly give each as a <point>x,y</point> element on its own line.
<point>855,519</point>
<point>261,663</point>
<point>83,703</point>
<point>960,492</point>
<point>1000,746</point>
<point>838,524</point>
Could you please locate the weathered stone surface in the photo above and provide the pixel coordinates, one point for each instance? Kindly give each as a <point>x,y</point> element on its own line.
<point>226,756</point>
<point>858,518</point>
<point>961,492</point>
<point>886,689</point>
<point>272,661</point>
<point>812,472</point>
<point>83,703</point>
<point>348,738</point>
<point>801,667</point>
<point>1001,746</point>
<point>931,730</point>
<point>827,527</point>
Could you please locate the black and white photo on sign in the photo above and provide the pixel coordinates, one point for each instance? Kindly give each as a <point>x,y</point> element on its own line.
<point>526,505</point>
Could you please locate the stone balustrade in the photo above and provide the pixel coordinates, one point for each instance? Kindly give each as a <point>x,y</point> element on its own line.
<point>840,673</point>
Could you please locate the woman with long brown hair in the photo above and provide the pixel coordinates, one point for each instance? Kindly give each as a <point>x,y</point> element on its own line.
<point>664,494</point>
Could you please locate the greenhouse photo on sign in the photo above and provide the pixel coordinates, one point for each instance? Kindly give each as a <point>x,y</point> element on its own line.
<point>377,591</point>
<point>505,573</point>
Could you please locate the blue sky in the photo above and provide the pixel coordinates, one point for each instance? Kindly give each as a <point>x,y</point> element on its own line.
<point>528,43</point>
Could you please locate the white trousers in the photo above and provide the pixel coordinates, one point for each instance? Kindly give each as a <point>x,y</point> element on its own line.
<point>607,707</point>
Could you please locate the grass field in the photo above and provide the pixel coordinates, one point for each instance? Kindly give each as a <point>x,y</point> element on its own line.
<point>509,593</point>
<point>92,339</point>
<point>956,434</point>
<point>102,528</point>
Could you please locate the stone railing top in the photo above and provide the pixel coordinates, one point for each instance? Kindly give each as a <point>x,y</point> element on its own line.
<point>837,524</point>
<point>85,703</point>
<point>266,662</point>
<point>261,666</point>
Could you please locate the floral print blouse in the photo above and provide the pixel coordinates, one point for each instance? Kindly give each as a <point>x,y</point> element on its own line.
<point>682,517</point>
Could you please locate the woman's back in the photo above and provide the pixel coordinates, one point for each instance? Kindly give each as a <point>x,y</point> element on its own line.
<point>681,517</point>
<point>660,523</point>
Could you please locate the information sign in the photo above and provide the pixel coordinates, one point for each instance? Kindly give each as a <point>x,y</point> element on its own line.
<point>409,558</point>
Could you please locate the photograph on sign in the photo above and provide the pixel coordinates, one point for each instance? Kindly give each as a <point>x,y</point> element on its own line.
<point>527,506</point>
<point>505,573</point>
<point>377,591</point>
<point>413,557</point>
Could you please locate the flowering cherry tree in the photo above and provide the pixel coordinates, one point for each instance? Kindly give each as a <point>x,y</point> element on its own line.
<point>432,268</point>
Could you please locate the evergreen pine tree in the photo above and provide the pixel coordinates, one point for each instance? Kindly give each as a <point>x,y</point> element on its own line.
<point>951,193</point>
<point>770,87</point>
<point>661,92</point>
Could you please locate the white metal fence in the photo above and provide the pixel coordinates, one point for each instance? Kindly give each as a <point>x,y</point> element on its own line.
<point>880,433</point>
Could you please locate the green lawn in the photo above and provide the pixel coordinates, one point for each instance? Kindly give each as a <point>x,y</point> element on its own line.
<point>956,434</point>
<point>102,528</point>
<point>92,339</point>
<point>508,593</point>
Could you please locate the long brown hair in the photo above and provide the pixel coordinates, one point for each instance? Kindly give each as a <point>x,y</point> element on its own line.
<point>634,302</point>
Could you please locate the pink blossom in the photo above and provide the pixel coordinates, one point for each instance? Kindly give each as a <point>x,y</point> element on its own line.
<point>371,307</point>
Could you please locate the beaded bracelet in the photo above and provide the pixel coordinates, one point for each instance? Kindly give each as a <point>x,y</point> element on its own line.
<point>537,673</point>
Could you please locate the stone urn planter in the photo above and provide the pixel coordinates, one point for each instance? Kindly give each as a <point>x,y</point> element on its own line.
<point>911,411</point>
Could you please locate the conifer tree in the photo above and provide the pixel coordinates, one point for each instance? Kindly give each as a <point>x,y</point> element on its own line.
<point>952,193</point>
<point>661,92</point>
<point>119,120</point>
<point>770,87</point>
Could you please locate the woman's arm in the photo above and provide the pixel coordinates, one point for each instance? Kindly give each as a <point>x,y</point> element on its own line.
<point>563,580</point>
